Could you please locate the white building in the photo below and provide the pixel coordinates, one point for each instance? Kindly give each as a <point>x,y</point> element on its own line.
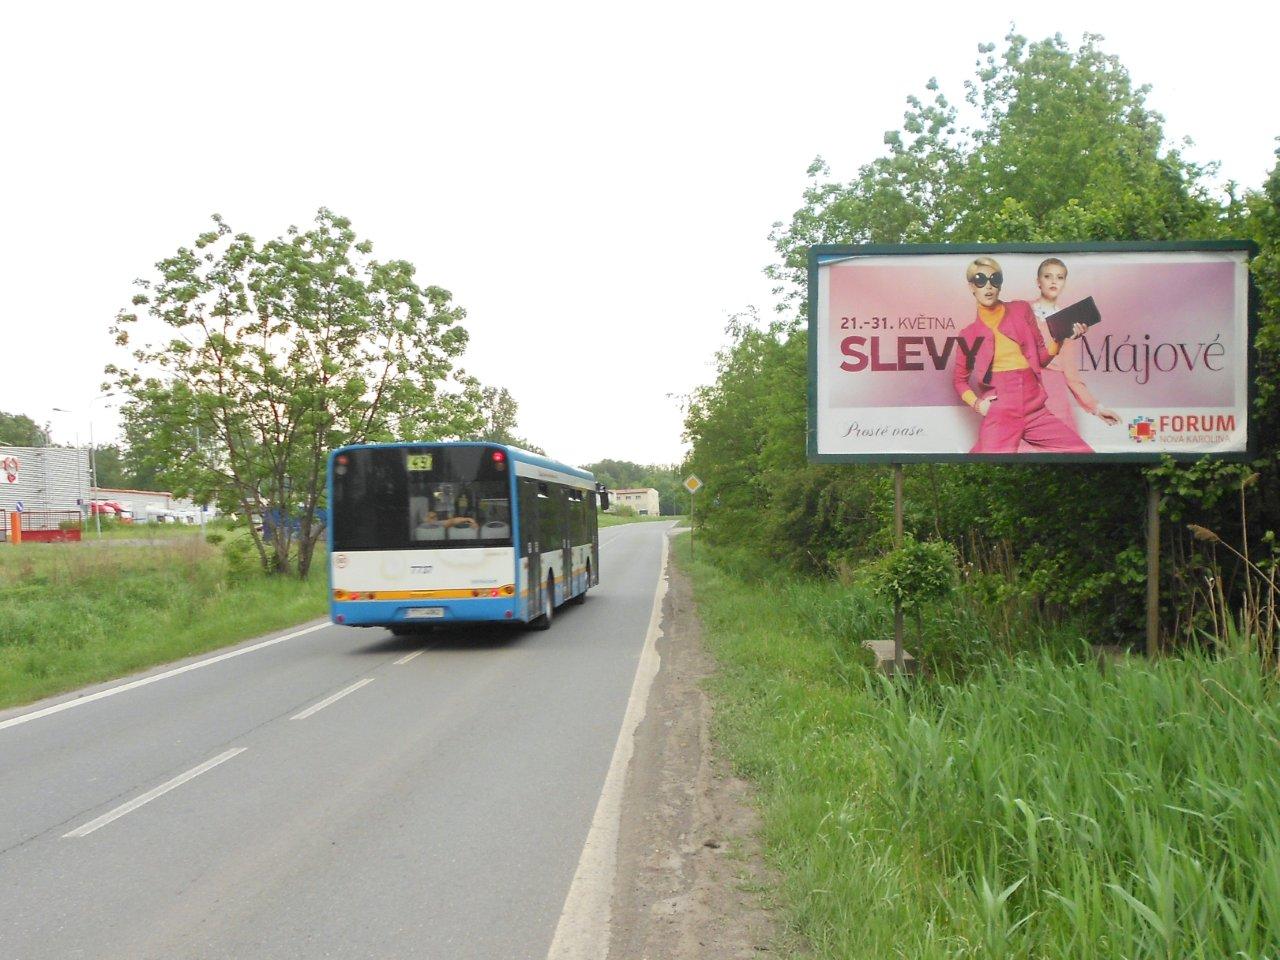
<point>643,500</point>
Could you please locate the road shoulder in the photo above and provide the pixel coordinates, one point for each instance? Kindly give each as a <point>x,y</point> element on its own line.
<point>691,882</point>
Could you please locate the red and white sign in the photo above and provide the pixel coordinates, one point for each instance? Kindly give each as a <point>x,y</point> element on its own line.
<point>10,466</point>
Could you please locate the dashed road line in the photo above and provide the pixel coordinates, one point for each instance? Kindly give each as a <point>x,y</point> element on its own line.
<point>316,708</point>
<point>134,684</point>
<point>150,795</point>
<point>407,657</point>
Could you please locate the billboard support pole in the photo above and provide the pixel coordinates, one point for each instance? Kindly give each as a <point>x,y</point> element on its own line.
<point>899,659</point>
<point>1153,570</point>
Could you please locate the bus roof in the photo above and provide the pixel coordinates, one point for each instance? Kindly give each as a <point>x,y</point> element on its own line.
<point>513,453</point>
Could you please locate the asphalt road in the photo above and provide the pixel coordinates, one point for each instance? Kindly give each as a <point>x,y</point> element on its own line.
<point>436,809</point>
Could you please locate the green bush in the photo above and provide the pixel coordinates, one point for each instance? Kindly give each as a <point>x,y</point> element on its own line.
<point>241,559</point>
<point>918,573</point>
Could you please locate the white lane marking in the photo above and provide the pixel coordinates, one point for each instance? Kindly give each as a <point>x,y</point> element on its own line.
<point>409,656</point>
<point>316,708</point>
<point>584,928</point>
<point>150,795</point>
<point>134,684</point>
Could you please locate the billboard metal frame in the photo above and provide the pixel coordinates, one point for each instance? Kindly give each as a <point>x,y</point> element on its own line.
<point>825,252</point>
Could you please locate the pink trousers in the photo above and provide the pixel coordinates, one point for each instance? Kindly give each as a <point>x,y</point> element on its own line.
<point>1018,415</point>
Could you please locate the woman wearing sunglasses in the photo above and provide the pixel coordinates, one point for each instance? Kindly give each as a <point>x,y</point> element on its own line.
<point>1005,353</point>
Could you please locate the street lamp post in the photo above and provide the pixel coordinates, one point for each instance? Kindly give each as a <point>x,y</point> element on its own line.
<point>198,464</point>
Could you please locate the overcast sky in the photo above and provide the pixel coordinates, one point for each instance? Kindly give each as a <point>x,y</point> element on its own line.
<point>595,183</point>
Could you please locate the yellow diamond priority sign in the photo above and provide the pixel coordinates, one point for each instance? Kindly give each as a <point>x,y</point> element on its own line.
<point>692,483</point>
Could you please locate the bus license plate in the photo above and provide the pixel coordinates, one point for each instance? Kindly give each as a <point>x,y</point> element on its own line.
<point>424,613</point>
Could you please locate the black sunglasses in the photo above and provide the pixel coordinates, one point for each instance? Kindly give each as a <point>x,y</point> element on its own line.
<point>980,280</point>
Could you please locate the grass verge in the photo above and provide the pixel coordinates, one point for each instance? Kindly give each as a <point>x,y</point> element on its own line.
<point>1040,808</point>
<point>75,614</point>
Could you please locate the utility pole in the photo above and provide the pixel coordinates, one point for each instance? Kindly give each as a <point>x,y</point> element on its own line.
<point>200,505</point>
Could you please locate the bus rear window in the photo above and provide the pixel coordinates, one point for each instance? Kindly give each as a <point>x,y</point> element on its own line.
<point>410,498</point>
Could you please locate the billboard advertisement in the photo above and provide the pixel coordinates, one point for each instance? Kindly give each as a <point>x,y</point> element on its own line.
<point>1026,353</point>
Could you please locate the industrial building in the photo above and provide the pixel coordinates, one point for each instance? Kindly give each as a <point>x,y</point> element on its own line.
<point>55,484</point>
<point>43,479</point>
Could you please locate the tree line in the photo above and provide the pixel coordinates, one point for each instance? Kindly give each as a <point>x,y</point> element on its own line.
<point>1063,147</point>
<point>667,480</point>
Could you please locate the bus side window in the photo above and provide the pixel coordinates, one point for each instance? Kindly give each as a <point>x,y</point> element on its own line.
<point>530,529</point>
<point>551,515</point>
<point>577,517</point>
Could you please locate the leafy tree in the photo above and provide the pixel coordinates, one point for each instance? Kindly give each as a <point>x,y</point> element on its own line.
<point>109,467</point>
<point>499,412</point>
<point>1065,148</point>
<point>270,354</point>
<point>1264,227</point>
<point>19,430</point>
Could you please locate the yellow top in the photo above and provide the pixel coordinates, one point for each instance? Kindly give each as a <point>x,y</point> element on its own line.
<point>1008,355</point>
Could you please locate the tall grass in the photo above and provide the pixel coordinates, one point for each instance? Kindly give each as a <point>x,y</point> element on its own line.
<point>72,614</point>
<point>1130,813</point>
<point>1044,807</point>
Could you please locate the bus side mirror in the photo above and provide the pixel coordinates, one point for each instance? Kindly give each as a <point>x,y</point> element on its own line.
<point>604,496</point>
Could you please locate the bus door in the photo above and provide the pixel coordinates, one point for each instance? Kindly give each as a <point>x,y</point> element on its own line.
<point>529,547</point>
<point>566,538</point>
<point>593,524</point>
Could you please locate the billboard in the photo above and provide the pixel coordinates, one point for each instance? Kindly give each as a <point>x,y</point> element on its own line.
<point>1029,352</point>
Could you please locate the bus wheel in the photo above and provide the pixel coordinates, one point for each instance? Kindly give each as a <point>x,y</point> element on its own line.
<point>548,607</point>
<point>582,597</point>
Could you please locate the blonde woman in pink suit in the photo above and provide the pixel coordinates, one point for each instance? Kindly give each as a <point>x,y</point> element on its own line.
<point>1004,351</point>
<point>1061,377</point>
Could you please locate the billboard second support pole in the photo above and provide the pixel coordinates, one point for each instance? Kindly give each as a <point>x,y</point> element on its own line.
<point>899,658</point>
<point>1153,570</point>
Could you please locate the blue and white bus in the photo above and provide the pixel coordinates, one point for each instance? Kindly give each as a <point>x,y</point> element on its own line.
<point>437,533</point>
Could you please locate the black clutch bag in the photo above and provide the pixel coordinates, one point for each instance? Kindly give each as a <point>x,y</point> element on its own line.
<point>1062,323</point>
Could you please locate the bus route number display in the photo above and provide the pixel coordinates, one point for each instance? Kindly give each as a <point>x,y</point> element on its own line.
<point>418,462</point>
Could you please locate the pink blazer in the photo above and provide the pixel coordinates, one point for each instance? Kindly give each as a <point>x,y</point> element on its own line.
<point>1019,325</point>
